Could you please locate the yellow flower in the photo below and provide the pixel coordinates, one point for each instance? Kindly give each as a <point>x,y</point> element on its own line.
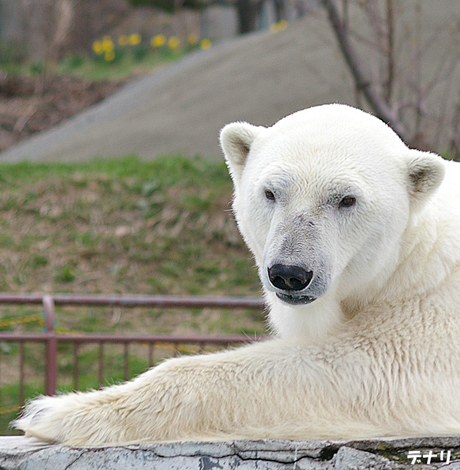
<point>282,24</point>
<point>205,44</point>
<point>134,39</point>
<point>173,42</point>
<point>109,56</point>
<point>107,44</point>
<point>97,47</point>
<point>158,40</point>
<point>275,27</point>
<point>123,40</point>
<point>192,39</point>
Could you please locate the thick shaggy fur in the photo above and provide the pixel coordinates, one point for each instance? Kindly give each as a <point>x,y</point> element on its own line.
<point>368,348</point>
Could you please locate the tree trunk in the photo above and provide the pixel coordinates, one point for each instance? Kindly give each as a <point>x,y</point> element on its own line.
<point>247,15</point>
<point>363,82</point>
<point>280,9</point>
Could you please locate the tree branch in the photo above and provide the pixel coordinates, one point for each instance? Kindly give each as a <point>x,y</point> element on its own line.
<point>363,83</point>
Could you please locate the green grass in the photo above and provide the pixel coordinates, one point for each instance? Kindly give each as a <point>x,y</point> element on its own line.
<point>121,226</point>
<point>127,64</point>
<point>128,226</point>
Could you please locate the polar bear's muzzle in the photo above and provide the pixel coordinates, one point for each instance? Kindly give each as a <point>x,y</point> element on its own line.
<point>295,299</point>
<point>289,281</point>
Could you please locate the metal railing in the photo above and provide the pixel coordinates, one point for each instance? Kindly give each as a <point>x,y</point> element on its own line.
<point>51,338</point>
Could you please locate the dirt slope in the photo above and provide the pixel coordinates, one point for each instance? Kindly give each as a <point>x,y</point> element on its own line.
<point>27,109</point>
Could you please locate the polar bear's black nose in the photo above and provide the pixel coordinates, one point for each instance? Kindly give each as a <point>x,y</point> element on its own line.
<point>287,277</point>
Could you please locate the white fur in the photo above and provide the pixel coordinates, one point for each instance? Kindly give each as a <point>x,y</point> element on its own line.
<point>375,354</point>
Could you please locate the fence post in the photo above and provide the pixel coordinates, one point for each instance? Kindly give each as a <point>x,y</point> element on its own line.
<point>51,347</point>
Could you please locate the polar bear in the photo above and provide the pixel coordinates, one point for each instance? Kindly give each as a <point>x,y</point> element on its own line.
<point>357,242</point>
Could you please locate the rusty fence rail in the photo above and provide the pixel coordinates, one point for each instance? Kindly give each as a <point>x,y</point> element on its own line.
<point>51,338</point>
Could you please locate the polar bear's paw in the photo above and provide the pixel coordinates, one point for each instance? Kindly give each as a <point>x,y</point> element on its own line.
<point>60,419</point>
<point>43,418</point>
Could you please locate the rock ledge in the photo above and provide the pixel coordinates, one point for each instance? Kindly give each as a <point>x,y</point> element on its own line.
<point>380,454</point>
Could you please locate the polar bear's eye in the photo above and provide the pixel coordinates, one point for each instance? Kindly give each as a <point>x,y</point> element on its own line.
<point>347,201</point>
<point>269,195</point>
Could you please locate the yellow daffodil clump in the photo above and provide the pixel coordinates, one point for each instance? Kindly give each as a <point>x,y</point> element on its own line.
<point>105,48</point>
<point>173,42</point>
<point>158,41</point>
<point>134,39</point>
<point>280,26</point>
<point>109,56</point>
<point>205,44</point>
<point>110,50</point>
<point>107,44</point>
<point>97,47</point>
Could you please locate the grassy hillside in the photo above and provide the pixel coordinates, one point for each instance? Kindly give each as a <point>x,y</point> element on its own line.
<point>116,227</point>
<point>125,227</point>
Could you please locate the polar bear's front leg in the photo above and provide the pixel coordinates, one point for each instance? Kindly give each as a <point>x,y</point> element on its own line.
<point>164,403</point>
<point>195,397</point>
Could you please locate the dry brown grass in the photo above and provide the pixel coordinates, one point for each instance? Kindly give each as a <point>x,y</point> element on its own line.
<point>154,228</point>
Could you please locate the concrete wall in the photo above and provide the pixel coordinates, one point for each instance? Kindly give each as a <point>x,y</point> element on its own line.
<point>380,454</point>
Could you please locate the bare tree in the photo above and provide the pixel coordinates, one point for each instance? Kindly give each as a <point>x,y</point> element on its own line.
<point>280,9</point>
<point>38,14</point>
<point>58,26</point>
<point>248,12</point>
<point>363,81</point>
<point>48,22</point>
<point>394,65</point>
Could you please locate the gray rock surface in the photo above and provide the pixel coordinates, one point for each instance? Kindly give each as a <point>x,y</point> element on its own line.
<point>19,453</point>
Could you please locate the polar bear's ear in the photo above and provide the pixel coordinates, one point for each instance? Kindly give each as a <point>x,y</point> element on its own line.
<point>426,172</point>
<point>236,140</point>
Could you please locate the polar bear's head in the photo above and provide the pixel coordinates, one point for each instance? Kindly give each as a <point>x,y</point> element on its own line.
<point>323,199</point>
